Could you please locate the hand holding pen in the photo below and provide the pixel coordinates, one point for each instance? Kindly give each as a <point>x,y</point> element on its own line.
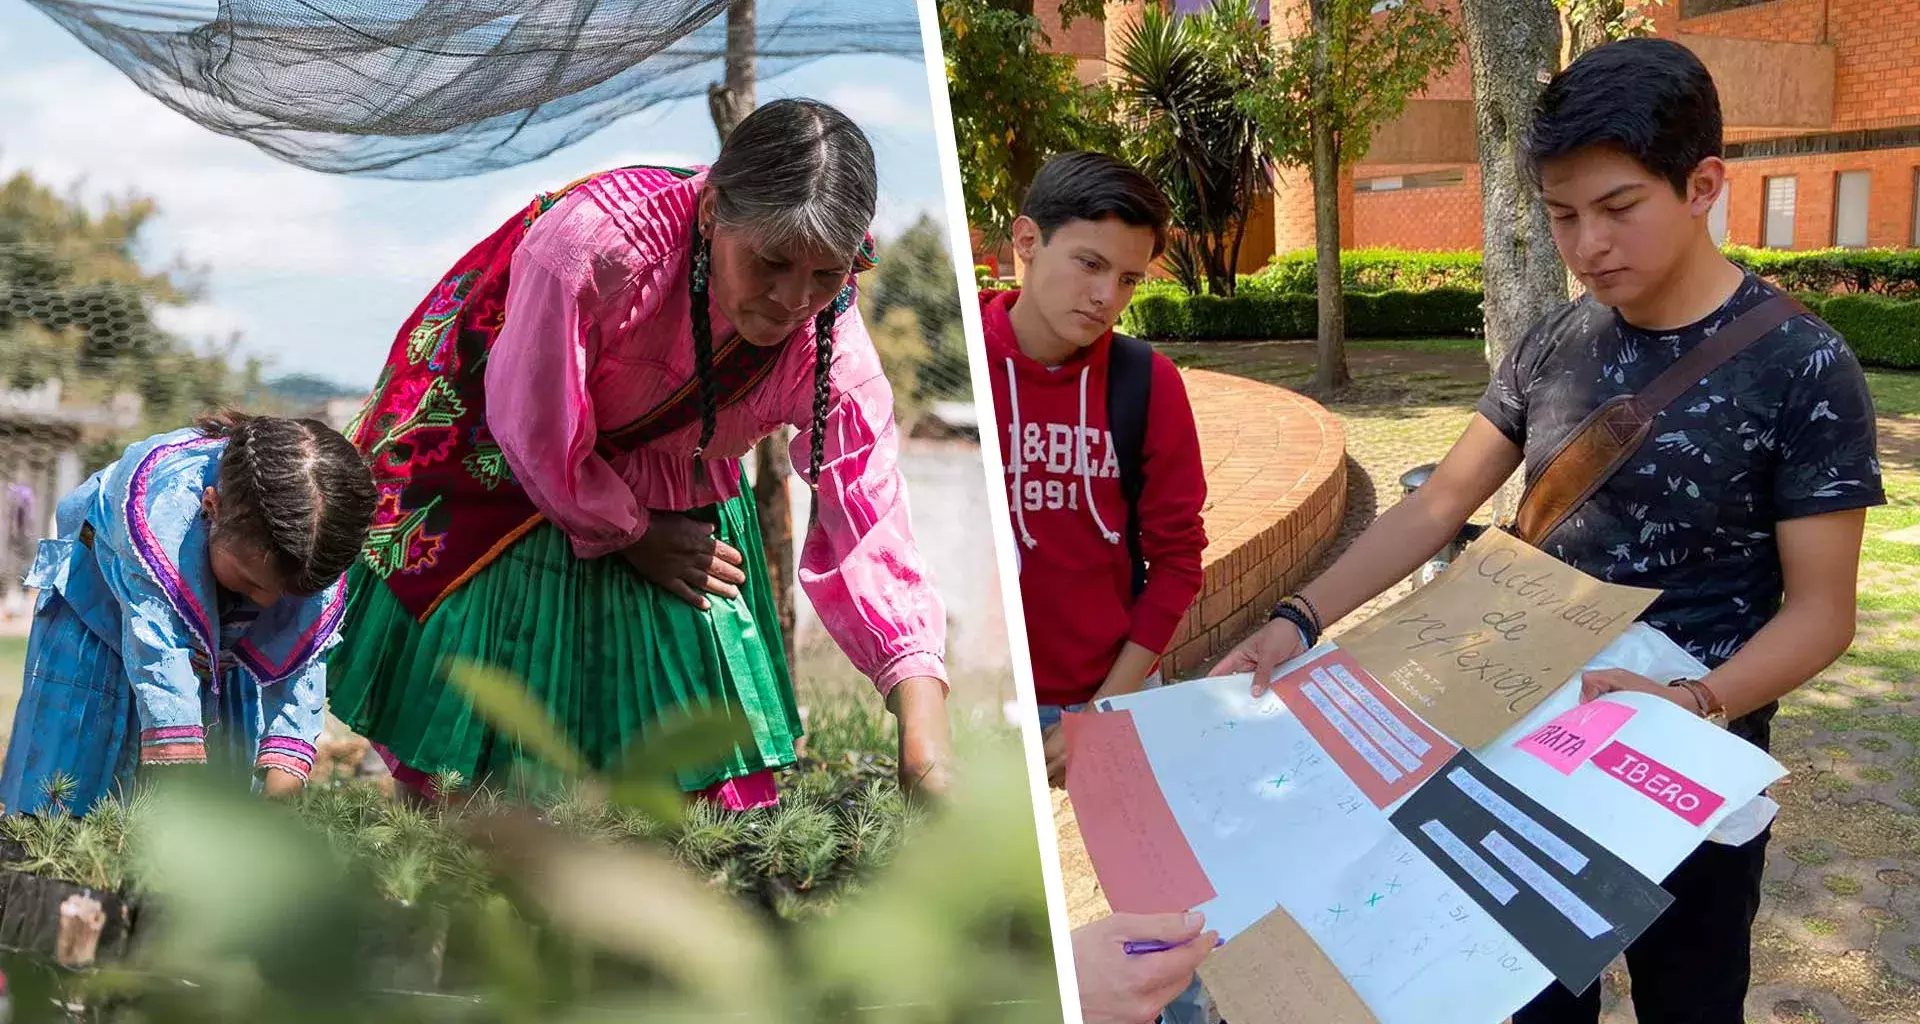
<point>1131,965</point>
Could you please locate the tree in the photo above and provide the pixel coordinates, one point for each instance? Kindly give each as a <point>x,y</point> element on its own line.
<point>1592,23</point>
<point>1513,47</point>
<point>77,305</point>
<point>1179,83</point>
<point>732,99</point>
<point>1014,104</point>
<point>916,275</point>
<point>1350,72</point>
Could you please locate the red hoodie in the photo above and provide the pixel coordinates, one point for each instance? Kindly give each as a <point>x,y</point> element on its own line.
<point>1075,577</point>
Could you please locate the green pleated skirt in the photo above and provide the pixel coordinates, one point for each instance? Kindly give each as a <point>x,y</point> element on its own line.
<point>606,653</point>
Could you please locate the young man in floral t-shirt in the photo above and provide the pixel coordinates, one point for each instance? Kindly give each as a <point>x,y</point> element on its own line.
<point>1745,507</point>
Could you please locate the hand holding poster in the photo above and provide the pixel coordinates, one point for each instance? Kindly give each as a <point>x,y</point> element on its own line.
<point>1502,628</point>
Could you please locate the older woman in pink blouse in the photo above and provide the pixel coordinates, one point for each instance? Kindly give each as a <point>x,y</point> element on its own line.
<point>557,439</point>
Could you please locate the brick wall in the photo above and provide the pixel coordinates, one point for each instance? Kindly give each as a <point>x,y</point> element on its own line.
<point>1293,209</point>
<point>1276,491</point>
<point>1876,49</point>
<point>1889,199</point>
<point>1781,21</point>
<point>1086,37</point>
<point>1445,217</point>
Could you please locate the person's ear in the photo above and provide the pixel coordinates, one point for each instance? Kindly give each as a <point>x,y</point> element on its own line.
<point>1027,239</point>
<point>210,503</point>
<point>1704,185</point>
<point>709,199</point>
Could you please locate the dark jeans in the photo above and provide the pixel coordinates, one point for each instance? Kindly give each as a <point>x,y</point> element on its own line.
<point>1691,965</point>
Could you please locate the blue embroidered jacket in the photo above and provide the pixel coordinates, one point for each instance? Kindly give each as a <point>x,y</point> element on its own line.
<point>132,560</point>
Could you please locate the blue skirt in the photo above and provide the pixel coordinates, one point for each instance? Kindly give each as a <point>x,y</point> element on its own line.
<point>77,717</point>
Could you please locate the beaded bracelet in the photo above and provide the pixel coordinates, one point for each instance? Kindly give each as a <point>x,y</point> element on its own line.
<point>1309,630</point>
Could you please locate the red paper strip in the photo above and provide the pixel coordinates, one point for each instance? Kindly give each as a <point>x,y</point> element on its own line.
<point>1690,800</point>
<point>1383,747</point>
<point>1138,851</point>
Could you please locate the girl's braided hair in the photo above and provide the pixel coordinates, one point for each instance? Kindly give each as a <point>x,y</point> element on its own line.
<point>296,490</point>
<point>795,172</point>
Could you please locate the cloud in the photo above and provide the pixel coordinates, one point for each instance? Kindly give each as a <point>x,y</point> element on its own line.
<point>203,320</point>
<point>873,108</point>
<point>221,201</point>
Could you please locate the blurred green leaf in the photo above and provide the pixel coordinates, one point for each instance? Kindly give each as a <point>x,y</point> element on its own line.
<point>504,702</point>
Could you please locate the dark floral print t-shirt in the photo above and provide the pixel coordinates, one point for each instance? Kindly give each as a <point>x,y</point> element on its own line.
<point>1783,430</point>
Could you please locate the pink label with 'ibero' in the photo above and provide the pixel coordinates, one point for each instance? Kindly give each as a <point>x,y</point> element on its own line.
<point>1691,801</point>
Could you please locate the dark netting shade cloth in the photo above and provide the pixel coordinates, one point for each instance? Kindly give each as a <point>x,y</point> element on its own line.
<point>446,88</point>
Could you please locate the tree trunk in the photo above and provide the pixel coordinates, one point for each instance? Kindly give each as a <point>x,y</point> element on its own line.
<point>1332,329</point>
<point>1513,47</point>
<point>730,102</point>
<point>772,468</point>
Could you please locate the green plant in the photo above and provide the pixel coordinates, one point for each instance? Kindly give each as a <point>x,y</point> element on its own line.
<point>1180,77</point>
<point>594,904</point>
<point>1437,312</point>
<point>1369,270</point>
<point>1014,104</point>
<point>1890,272</point>
<point>1882,332</point>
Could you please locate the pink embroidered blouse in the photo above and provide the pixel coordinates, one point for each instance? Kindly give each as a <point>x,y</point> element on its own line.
<point>598,334</point>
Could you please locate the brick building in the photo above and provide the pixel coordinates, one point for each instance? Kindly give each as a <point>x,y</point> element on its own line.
<point>1822,106</point>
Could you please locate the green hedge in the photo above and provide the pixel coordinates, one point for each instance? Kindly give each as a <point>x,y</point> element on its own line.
<point>1890,272</point>
<point>1883,332</point>
<point>1368,270</point>
<point>1440,312</point>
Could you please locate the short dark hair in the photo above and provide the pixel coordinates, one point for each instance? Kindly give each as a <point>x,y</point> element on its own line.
<point>1094,186</point>
<point>1651,98</point>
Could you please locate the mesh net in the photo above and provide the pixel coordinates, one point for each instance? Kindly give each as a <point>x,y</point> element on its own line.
<point>427,90</point>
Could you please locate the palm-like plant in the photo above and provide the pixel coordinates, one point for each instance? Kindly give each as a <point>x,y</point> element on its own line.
<point>1178,83</point>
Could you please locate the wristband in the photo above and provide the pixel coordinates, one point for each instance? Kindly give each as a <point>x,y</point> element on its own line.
<point>1300,600</point>
<point>1309,632</point>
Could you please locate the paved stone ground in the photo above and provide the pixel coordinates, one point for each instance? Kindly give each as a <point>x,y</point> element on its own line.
<point>1838,936</point>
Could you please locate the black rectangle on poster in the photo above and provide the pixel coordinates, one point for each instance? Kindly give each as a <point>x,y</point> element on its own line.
<point>1571,903</point>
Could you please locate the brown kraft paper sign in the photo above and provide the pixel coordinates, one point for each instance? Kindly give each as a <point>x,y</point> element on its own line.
<point>1505,625</point>
<point>1274,973</point>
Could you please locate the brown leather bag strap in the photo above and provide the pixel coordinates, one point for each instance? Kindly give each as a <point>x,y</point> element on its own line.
<point>1603,442</point>
<point>1707,356</point>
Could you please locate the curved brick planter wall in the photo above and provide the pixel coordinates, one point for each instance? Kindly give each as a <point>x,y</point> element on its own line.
<point>1276,489</point>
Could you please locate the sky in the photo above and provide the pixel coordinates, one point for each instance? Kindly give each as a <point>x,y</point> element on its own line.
<point>317,271</point>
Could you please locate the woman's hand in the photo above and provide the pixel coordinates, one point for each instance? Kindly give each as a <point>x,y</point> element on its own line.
<point>919,705</point>
<point>682,556</point>
<point>1273,645</point>
<point>282,785</point>
<point>1619,680</point>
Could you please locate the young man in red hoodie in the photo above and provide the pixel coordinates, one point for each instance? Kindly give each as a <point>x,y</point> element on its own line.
<point>1105,581</point>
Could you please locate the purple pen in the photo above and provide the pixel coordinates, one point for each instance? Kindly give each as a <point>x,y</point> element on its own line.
<point>1156,946</point>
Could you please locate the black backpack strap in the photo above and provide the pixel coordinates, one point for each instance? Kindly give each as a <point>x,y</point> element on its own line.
<point>1129,390</point>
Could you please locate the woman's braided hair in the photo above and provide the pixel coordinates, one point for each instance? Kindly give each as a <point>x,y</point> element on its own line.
<point>295,490</point>
<point>795,172</point>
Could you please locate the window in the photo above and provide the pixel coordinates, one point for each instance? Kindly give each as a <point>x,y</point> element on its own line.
<point>1717,215</point>
<point>1778,232</point>
<point>1850,190</point>
<point>1916,206</point>
<point>1425,179</point>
